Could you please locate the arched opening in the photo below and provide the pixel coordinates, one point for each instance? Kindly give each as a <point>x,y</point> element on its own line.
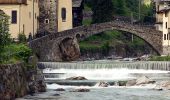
<point>69,49</point>
<point>78,37</point>
<point>115,44</point>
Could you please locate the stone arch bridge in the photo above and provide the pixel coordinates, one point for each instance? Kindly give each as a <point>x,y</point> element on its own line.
<point>63,46</point>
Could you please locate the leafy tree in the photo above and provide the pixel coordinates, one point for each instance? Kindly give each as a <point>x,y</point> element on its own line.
<point>4,30</point>
<point>102,10</point>
<point>121,8</point>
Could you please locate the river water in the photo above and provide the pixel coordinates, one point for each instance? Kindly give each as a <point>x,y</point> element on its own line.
<point>105,70</point>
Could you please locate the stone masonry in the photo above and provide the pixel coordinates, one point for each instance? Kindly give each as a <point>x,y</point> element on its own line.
<point>50,47</point>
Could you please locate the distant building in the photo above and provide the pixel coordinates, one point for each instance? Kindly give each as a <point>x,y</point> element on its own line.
<point>78,6</point>
<point>163,19</point>
<point>55,15</point>
<point>23,16</point>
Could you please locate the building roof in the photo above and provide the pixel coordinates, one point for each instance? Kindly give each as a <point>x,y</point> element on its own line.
<point>163,10</point>
<point>77,3</point>
<point>13,1</point>
<point>161,0</point>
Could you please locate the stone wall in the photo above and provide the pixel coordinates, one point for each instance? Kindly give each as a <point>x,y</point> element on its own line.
<point>16,81</point>
<point>13,81</point>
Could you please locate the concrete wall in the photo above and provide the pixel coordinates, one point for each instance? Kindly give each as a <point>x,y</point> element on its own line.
<point>24,18</point>
<point>67,24</point>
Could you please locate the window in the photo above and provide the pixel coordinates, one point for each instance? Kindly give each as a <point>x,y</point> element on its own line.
<point>164,36</point>
<point>14,17</point>
<point>46,21</point>
<point>63,14</point>
<point>166,25</point>
<point>167,36</point>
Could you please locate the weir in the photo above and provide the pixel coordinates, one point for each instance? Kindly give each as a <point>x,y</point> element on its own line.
<point>146,65</point>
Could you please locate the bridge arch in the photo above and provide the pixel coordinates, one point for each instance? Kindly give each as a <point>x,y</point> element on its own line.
<point>45,44</point>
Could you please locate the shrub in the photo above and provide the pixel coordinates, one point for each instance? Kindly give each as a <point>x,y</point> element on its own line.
<point>22,38</point>
<point>15,52</point>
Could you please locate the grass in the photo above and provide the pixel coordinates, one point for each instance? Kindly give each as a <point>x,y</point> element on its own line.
<point>160,58</point>
<point>14,53</point>
<point>87,22</point>
<point>99,42</point>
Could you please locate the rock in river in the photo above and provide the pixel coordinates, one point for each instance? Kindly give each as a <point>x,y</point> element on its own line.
<point>131,82</point>
<point>76,78</point>
<point>102,84</point>
<point>60,89</point>
<point>144,80</point>
<point>80,90</point>
<point>164,85</point>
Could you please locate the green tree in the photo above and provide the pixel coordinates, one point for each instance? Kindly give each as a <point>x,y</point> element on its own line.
<point>102,10</point>
<point>121,8</point>
<point>4,30</point>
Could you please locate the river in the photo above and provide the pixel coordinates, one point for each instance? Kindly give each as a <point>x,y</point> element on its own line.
<point>103,70</point>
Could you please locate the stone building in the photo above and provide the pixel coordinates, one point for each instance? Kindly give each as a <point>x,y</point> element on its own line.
<point>23,16</point>
<point>163,22</point>
<point>55,15</point>
<point>78,6</point>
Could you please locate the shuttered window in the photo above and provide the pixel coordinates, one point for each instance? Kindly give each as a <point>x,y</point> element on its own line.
<point>14,17</point>
<point>63,14</point>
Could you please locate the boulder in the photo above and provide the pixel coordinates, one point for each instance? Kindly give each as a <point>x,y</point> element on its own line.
<point>76,78</point>
<point>122,83</point>
<point>41,86</point>
<point>144,80</point>
<point>102,84</point>
<point>131,82</point>
<point>80,90</point>
<point>164,85</point>
<point>60,89</point>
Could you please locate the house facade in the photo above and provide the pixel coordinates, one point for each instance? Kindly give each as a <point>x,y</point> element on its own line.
<point>55,15</point>
<point>163,19</point>
<point>23,16</point>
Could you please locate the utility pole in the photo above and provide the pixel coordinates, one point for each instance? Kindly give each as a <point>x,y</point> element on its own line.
<point>132,23</point>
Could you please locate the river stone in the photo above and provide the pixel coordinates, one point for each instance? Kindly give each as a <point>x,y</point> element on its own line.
<point>80,90</point>
<point>59,89</point>
<point>144,80</point>
<point>41,86</point>
<point>76,78</point>
<point>122,83</point>
<point>102,84</point>
<point>165,85</point>
<point>131,82</point>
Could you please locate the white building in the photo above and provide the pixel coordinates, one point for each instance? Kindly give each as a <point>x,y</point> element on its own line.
<point>163,22</point>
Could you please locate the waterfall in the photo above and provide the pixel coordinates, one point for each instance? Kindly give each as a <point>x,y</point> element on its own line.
<point>146,65</point>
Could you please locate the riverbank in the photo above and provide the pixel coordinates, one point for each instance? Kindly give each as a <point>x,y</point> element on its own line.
<point>17,81</point>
